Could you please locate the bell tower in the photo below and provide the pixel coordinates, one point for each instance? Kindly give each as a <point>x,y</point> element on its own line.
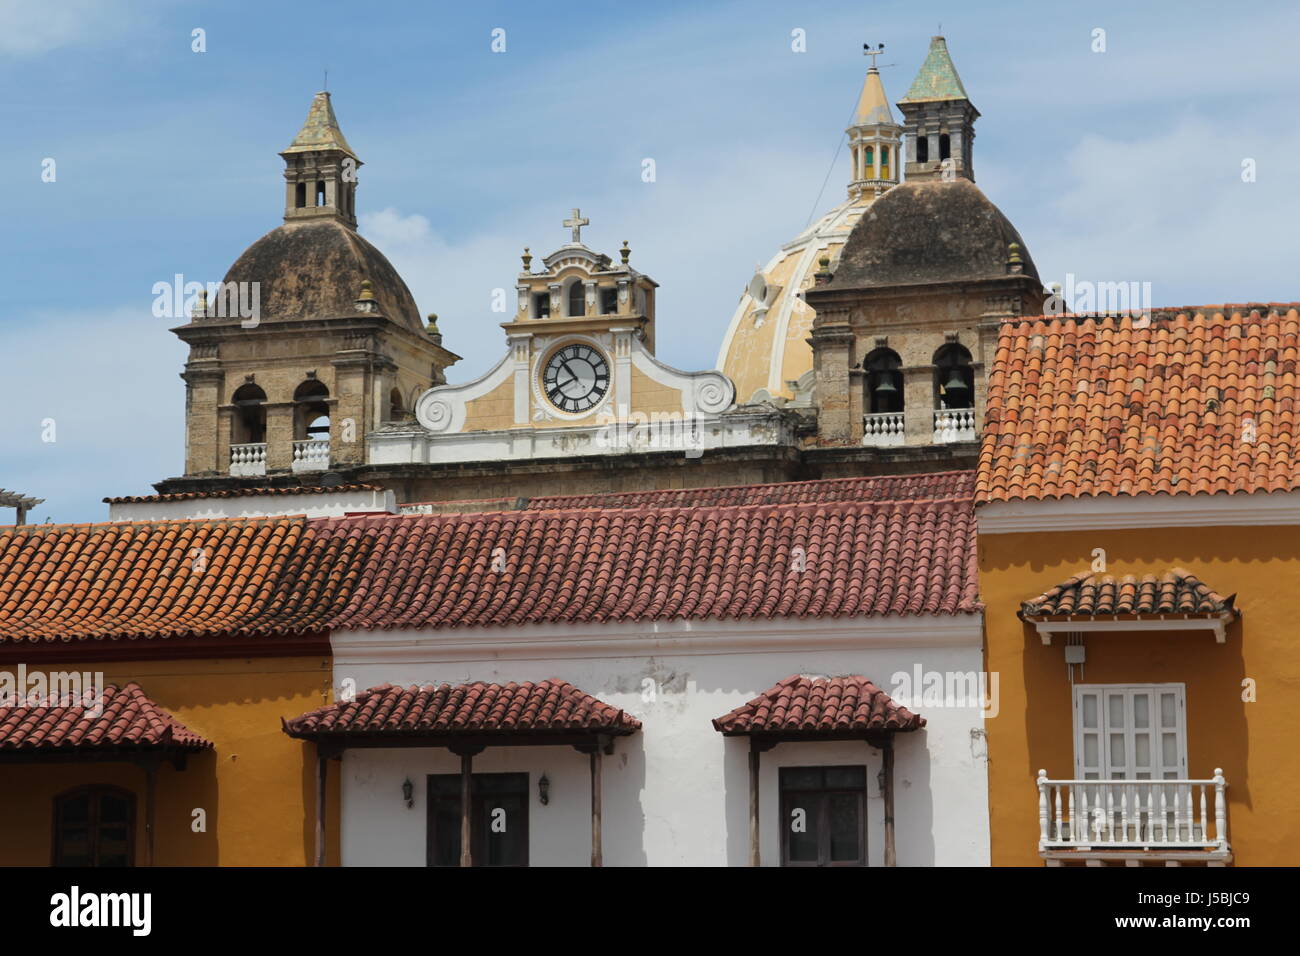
<point>320,169</point>
<point>939,121</point>
<point>874,137</point>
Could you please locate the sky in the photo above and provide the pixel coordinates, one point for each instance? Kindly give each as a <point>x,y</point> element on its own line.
<point>1120,155</point>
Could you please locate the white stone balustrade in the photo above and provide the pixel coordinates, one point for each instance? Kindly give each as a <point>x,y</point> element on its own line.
<point>1083,815</point>
<point>313,454</point>
<point>883,429</point>
<point>953,425</point>
<point>248,459</point>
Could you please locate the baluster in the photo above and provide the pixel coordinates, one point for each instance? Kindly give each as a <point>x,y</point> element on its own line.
<point>1074,830</point>
<point>1110,814</point>
<point>1043,807</point>
<point>1205,821</point>
<point>1056,832</point>
<point>1164,816</point>
<point>1220,808</point>
<point>1123,815</point>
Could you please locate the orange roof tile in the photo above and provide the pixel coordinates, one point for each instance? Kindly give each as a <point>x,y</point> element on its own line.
<point>550,706</point>
<point>819,707</point>
<point>1196,403</point>
<point>1091,595</point>
<point>250,577</point>
<point>119,718</point>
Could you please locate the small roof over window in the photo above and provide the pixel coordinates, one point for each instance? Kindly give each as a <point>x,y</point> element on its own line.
<point>813,708</point>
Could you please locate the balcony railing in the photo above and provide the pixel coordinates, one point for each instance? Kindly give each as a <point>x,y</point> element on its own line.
<point>953,425</point>
<point>1098,815</point>
<point>249,459</point>
<point>882,429</point>
<point>312,454</point>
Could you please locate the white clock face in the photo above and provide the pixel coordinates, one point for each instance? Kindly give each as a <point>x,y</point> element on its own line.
<point>576,378</point>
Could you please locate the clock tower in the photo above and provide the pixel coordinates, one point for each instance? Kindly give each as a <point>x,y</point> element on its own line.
<point>579,374</point>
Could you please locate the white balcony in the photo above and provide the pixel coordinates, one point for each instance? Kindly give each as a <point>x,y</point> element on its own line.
<point>882,429</point>
<point>313,454</point>
<point>249,459</point>
<point>1130,821</point>
<point>954,425</point>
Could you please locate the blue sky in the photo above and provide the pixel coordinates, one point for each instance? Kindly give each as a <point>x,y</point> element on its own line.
<point>1115,166</point>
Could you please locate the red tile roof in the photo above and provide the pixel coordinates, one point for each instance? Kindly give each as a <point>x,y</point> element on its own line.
<point>256,577</point>
<point>1088,595</point>
<point>588,565</point>
<point>819,707</point>
<point>1185,404</point>
<point>248,577</point>
<point>943,484</point>
<point>128,721</point>
<point>547,707</point>
<point>239,493</point>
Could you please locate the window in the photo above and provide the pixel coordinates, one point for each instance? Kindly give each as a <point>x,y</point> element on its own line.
<point>884,381</point>
<point>94,826</point>
<point>954,379</point>
<point>577,300</point>
<point>311,413</point>
<point>498,819</point>
<point>541,306</point>
<point>248,424</point>
<point>300,195</point>
<point>922,149</point>
<point>945,149</point>
<point>823,816</point>
<point>868,164</point>
<point>1130,732</point>
<point>395,410</point>
<point>320,192</point>
<point>608,301</point>
<point>884,162</point>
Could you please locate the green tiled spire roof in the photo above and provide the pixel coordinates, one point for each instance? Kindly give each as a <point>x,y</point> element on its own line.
<point>321,131</point>
<point>938,79</point>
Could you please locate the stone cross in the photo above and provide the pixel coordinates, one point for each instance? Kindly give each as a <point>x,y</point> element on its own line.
<point>576,223</point>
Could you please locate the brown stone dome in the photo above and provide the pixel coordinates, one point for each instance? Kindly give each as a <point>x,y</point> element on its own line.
<point>314,269</point>
<point>927,232</point>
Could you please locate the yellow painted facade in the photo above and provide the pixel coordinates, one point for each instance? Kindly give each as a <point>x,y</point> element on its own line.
<point>256,786</point>
<point>1253,742</point>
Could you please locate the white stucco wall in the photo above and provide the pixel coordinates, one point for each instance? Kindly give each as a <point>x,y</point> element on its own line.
<point>329,504</point>
<point>677,792</point>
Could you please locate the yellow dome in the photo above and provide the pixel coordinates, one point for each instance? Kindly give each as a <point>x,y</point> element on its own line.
<point>765,350</point>
<point>766,343</point>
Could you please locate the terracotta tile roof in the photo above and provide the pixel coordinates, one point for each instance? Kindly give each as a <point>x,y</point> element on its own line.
<point>1089,595</point>
<point>818,707</point>
<point>546,707</point>
<point>944,484</point>
<point>588,565</point>
<point>254,577</point>
<point>128,720</point>
<point>239,493</point>
<point>249,577</point>
<point>1183,404</point>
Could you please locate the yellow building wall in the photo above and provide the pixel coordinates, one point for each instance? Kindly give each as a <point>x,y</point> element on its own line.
<point>1254,743</point>
<point>257,786</point>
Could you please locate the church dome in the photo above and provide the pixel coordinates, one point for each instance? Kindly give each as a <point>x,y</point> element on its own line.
<point>314,269</point>
<point>765,349</point>
<point>928,232</point>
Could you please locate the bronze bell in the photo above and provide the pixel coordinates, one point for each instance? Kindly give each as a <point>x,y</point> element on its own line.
<point>956,388</point>
<point>886,387</point>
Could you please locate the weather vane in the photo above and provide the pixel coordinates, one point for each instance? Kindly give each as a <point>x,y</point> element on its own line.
<point>867,51</point>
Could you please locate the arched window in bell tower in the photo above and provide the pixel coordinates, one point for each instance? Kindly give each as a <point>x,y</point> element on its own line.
<point>884,162</point>
<point>300,196</point>
<point>248,423</point>
<point>320,192</point>
<point>884,381</point>
<point>869,164</point>
<point>954,379</point>
<point>311,412</point>
<point>945,147</point>
<point>577,299</point>
<point>922,148</point>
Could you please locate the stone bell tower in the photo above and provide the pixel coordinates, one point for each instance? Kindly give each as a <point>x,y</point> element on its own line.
<point>328,347</point>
